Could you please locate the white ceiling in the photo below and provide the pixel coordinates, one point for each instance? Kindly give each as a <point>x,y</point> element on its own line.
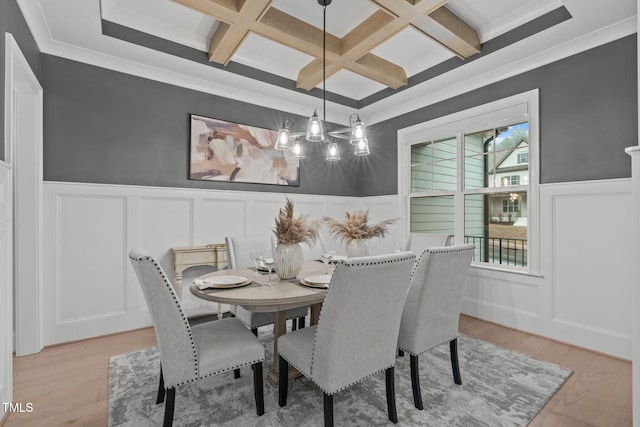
<point>72,28</point>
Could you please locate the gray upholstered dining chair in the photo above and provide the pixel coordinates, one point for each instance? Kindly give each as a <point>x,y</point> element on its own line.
<point>432,310</point>
<point>357,332</point>
<point>418,242</point>
<point>192,353</point>
<point>238,256</point>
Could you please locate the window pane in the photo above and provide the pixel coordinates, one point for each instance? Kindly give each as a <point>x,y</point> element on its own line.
<point>497,157</point>
<point>497,225</point>
<point>433,166</point>
<point>432,214</point>
<point>476,158</point>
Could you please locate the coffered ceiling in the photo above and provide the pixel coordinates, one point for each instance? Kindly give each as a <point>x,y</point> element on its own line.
<point>382,56</point>
<point>430,18</point>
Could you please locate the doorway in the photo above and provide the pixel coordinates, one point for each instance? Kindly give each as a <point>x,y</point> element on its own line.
<point>23,152</point>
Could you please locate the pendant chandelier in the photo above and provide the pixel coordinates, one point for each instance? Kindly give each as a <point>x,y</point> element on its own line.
<point>316,128</point>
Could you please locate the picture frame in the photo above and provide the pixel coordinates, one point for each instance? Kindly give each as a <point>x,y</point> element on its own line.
<point>224,151</point>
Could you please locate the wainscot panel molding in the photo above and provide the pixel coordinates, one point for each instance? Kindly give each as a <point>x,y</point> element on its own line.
<point>90,288</point>
<point>583,295</point>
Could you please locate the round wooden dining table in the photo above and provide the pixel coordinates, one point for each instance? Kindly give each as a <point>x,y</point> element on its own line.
<point>260,297</point>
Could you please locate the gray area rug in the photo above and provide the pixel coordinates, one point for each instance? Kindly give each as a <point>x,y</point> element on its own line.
<point>499,387</point>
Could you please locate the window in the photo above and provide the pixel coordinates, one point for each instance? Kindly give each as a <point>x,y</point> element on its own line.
<point>523,157</point>
<point>469,174</point>
<point>509,205</point>
<point>510,180</point>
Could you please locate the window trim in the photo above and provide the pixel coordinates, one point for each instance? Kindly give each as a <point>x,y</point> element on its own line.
<point>508,110</point>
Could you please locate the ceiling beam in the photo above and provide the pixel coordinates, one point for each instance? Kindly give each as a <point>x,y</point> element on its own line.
<point>299,35</point>
<point>229,35</point>
<point>434,20</point>
<point>356,44</point>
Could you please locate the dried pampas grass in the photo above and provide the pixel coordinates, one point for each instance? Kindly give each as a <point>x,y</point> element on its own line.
<point>356,226</point>
<point>289,229</point>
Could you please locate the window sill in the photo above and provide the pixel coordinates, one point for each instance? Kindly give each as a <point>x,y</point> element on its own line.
<point>488,268</point>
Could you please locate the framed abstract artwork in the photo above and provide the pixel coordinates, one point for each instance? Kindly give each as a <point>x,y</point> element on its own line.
<point>233,152</point>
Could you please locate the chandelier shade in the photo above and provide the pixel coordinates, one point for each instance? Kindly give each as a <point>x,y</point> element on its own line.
<point>315,129</point>
<point>362,148</point>
<point>283,140</point>
<point>296,150</point>
<point>358,131</point>
<point>333,152</point>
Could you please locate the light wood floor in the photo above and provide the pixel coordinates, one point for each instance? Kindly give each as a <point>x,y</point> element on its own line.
<point>67,384</point>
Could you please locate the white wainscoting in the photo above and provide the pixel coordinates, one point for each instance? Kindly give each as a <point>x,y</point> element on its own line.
<point>89,286</point>
<point>582,296</point>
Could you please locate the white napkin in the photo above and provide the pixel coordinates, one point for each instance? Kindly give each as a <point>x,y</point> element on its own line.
<point>200,284</point>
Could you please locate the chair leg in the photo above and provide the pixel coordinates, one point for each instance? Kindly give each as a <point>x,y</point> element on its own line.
<point>258,388</point>
<point>453,348</point>
<point>294,324</point>
<point>161,391</point>
<point>236,373</point>
<point>168,408</point>
<point>415,382</point>
<point>328,410</point>
<point>254,331</point>
<point>400,353</point>
<point>391,394</point>
<point>283,382</point>
<point>301,322</point>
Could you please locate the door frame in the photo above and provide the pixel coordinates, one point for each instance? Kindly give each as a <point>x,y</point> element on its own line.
<point>23,151</point>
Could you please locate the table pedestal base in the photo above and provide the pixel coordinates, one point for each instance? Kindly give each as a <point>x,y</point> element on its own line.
<point>279,329</point>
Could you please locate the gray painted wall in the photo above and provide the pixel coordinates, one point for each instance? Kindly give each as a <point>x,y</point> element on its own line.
<point>12,21</point>
<point>103,126</point>
<point>588,115</point>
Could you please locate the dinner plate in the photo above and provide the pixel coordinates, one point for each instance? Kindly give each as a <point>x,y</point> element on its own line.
<point>334,259</point>
<point>319,281</point>
<point>313,285</point>
<point>224,282</point>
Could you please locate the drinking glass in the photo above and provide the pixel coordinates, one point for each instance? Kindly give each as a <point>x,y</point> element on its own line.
<point>327,257</point>
<point>255,253</point>
<point>268,263</point>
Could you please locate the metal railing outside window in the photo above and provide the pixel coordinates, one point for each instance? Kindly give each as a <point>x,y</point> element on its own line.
<point>499,250</point>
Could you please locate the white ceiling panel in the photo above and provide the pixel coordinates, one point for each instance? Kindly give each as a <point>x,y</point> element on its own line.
<point>342,15</point>
<point>165,19</point>
<point>266,55</point>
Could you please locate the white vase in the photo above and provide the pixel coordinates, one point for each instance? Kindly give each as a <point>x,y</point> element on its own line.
<point>358,247</point>
<point>287,260</point>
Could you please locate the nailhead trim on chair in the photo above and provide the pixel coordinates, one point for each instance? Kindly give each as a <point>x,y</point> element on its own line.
<point>177,302</point>
<point>446,249</point>
<point>346,386</point>
<point>219,372</point>
<point>430,348</point>
<point>186,322</point>
<point>347,264</point>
